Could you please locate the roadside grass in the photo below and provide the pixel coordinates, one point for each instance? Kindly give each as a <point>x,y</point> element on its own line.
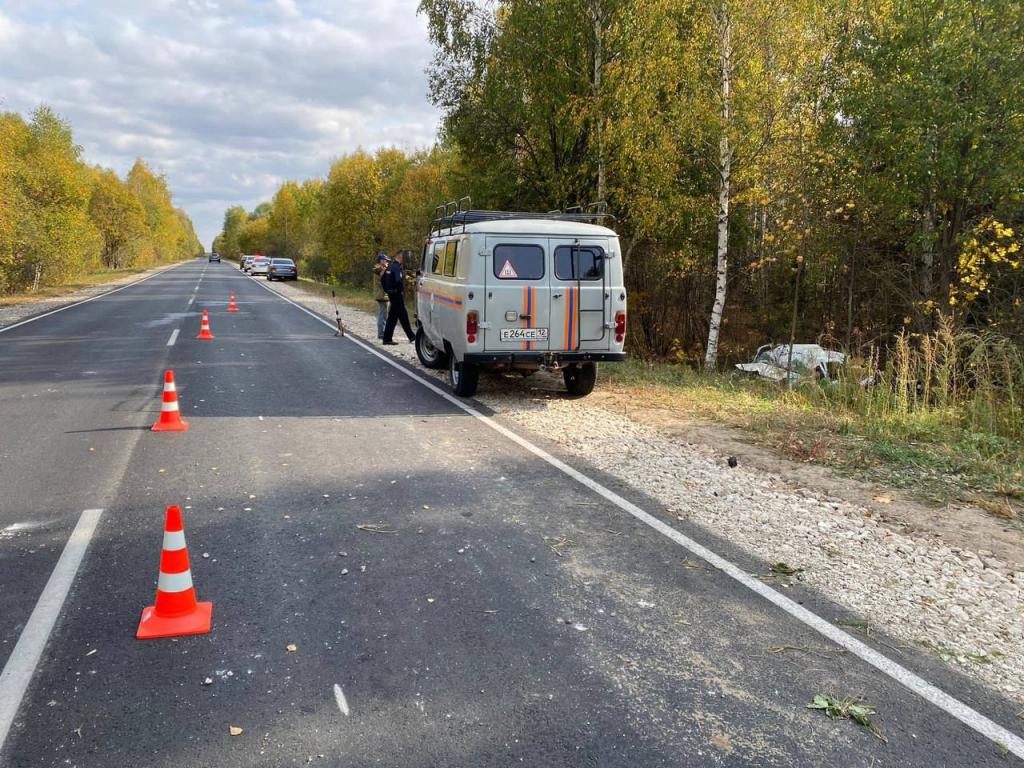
<point>928,452</point>
<point>346,294</point>
<point>83,281</point>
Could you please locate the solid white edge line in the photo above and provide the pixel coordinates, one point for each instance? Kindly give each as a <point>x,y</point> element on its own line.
<point>929,692</point>
<point>91,298</point>
<point>174,337</point>
<point>21,664</point>
<point>339,697</point>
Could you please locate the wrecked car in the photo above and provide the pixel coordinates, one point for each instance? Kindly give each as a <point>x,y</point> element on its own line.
<point>808,361</point>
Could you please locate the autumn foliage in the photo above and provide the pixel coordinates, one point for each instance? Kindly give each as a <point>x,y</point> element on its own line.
<point>61,218</point>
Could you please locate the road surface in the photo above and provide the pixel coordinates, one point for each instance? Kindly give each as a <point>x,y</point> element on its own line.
<point>492,610</point>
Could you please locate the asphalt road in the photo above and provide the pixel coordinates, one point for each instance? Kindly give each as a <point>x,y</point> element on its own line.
<point>508,615</point>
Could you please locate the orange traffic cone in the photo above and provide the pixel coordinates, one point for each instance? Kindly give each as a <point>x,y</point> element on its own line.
<point>232,307</point>
<point>170,417</point>
<point>175,611</point>
<point>204,329</point>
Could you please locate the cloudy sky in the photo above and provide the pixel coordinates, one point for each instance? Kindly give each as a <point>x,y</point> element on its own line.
<point>226,97</point>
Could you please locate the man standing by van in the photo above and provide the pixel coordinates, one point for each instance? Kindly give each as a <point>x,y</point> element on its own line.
<point>380,264</point>
<point>393,283</point>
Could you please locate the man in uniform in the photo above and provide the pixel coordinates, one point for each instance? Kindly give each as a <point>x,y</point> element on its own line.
<point>379,265</point>
<point>393,283</point>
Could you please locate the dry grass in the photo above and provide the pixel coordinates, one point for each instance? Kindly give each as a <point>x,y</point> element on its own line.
<point>944,420</point>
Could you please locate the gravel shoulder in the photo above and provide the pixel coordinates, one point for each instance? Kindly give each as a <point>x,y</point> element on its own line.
<point>930,585</point>
<point>12,312</point>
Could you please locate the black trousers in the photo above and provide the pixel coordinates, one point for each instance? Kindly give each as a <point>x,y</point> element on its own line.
<point>397,314</point>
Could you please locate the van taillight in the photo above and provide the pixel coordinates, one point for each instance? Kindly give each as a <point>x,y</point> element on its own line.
<point>620,326</point>
<point>471,327</point>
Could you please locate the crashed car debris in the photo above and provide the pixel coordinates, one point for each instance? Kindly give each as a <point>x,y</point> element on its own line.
<point>809,361</point>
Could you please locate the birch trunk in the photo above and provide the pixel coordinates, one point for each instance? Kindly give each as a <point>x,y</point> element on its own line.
<point>725,179</point>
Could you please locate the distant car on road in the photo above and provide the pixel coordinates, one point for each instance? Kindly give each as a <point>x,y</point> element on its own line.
<point>214,257</point>
<point>260,266</point>
<point>246,263</point>
<point>282,269</point>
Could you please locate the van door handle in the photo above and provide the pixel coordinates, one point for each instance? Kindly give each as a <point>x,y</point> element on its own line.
<point>556,295</point>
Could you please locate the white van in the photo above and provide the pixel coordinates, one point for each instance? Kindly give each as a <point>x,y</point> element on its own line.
<point>520,291</point>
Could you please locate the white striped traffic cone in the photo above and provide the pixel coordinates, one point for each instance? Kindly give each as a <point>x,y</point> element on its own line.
<point>175,611</point>
<point>170,417</point>
<point>204,328</point>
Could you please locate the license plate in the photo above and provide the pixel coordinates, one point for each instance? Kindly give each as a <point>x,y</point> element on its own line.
<point>524,334</point>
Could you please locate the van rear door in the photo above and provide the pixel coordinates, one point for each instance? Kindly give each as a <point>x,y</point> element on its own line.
<point>580,294</point>
<point>517,306</point>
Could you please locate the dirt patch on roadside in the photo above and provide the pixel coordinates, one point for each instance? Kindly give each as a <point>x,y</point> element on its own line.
<point>957,526</point>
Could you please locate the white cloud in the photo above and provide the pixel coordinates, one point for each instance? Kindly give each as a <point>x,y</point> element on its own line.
<point>227,97</point>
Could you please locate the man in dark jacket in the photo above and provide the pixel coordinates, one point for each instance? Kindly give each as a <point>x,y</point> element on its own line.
<point>393,283</point>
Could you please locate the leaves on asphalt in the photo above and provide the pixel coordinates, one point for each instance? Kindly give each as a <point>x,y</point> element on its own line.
<point>847,709</point>
<point>784,569</point>
<point>234,730</point>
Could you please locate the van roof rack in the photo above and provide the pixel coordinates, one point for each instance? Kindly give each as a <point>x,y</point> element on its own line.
<point>459,213</point>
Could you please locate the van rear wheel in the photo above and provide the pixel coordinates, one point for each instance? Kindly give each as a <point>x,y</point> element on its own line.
<point>580,378</point>
<point>463,377</point>
<point>429,355</point>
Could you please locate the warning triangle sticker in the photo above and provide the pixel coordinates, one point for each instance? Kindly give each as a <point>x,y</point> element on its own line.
<point>507,273</point>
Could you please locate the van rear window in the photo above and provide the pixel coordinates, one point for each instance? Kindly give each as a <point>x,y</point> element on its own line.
<point>576,263</point>
<point>518,262</point>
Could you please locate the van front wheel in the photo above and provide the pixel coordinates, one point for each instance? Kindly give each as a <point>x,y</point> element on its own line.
<point>580,378</point>
<point>463,377</point>
<point>429,355</point>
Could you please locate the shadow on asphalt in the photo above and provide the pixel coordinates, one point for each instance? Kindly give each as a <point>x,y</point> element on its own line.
<point>479,623</point>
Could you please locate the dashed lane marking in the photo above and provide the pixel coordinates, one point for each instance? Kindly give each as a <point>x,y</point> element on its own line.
<point>22,663</point>
<point>1003,738</point>
<point>174,337</point>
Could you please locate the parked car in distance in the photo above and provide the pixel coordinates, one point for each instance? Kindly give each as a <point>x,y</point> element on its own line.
<point>282,269</point>
<point>246,263</point>
<point>260,265</point>
<point>214,257</point>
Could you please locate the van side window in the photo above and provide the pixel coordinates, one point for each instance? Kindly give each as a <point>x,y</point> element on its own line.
<point>518,262</point>
<point>450,254</point>
<point>435,263</point>
<point>575,263</point>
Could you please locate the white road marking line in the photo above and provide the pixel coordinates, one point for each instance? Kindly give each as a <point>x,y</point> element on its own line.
<point>174,337</point>
<point>929,692</point>
<point>339,696</point>
<point>85,301</point>
<point>22,663</point>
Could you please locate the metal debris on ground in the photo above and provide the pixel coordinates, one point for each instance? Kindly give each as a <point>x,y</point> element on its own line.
<point>375,528</point>
<point>847,709</point>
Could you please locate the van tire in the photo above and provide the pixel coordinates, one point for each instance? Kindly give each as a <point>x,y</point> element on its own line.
<point>463,377</point>
<point>580,378</point>
<point>429,355</point>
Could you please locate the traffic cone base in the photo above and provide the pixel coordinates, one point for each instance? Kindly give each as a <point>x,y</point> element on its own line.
<point>197,622</point>
<point>180,426</point>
